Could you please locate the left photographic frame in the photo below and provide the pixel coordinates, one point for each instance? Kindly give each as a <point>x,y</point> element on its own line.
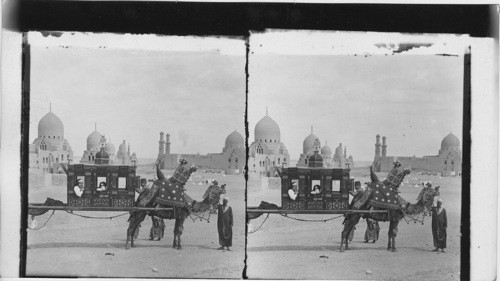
<point>124,109</point>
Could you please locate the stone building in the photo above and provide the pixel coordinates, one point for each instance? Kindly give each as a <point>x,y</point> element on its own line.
<point>448,162</point>
<point>267,150</point>
<point>231,160</point>
<point>50,147</point>
<point>312,144</point>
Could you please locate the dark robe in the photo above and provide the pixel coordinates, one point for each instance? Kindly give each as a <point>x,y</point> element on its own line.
<point>225,226</point>
<point>439,225</point>
<point>157,228</point>
<point>372,230</point>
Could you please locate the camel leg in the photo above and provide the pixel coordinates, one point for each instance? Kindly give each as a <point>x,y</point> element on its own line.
<point>174,245</point>
<point>394,233</point>
<point>351,221</point>
<point>135,221</point>
<point>179,226</point>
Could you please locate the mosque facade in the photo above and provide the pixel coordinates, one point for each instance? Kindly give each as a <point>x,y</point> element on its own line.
<point>231,160</point>
<point>97,142</point>
<point>50,147</point>
<point>267,150</point>
<point>312,146</point>
<point>448,161</point>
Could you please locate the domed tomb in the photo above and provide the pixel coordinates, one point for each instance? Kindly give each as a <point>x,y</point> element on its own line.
<point>450,141</point>
<point>234,139</point>
<point>338,150</point>
<point>110,148</point>
<point>93,141</point>
<point>326,150</point>
<point>50,126</point>
<point>267,130</point>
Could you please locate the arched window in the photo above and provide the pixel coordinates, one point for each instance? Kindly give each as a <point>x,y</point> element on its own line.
<point>278,161</point>
<point>62,157</point>
<point>306,161</point>
<point>90,158</point>
<point>229,160</point>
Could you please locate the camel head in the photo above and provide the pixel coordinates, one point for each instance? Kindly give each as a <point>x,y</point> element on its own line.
<point>396,175</point>
<point>182,173</point>
<point>425,200</point>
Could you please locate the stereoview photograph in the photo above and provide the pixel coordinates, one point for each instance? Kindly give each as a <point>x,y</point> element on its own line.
<point>355,155</point>
<point>136,156</point>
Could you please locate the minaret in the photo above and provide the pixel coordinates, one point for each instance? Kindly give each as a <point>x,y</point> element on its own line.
<point>128,150</point>
<point>167,148</point>
<point>377,147</point>
<point>161,151</point>
<point>384,147</point>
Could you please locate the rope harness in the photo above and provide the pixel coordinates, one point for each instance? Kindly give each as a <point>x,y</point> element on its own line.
<point>297,219</point>
<point>71,213</point>
<point>32,218</point>
<point>260,225</point>
<point>202,216</point>
<point>416,218</point>
<point>97,218</point>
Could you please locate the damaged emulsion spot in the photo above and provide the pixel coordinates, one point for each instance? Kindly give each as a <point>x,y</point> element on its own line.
<point>51,33</point>
<point>403,47</point>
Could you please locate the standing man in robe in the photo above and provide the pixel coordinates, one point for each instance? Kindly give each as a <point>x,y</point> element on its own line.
<point>439,225</point>
<point>372,230</point>
<point>225,224</point>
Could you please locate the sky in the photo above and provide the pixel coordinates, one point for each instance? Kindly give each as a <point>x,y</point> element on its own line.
<point>351,87</point>
<point>134,87</point>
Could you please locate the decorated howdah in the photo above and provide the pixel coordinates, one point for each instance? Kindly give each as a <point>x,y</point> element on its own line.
<point>318,188</point>
<point>94,185</point>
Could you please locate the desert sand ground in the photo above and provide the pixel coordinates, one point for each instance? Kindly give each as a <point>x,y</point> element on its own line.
<point>288,249</point>
<point>73,246</point>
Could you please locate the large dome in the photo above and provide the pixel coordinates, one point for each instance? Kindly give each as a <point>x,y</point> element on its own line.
<point>235,139</point>
<point>326,150</point>
<point>93,141</point>
<point>450,141</point>
<point>50,126</point>
<point>308,146</point>
<point>267,130</point>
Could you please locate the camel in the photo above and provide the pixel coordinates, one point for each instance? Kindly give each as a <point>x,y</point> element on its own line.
<point>180,211</point>
<point>395,211</point>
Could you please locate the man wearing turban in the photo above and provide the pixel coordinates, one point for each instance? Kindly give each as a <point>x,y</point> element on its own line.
<point>225,224</point>
<point>439,225</point>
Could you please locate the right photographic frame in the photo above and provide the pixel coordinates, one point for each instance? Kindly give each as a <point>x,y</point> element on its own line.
<point>355,155</point>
